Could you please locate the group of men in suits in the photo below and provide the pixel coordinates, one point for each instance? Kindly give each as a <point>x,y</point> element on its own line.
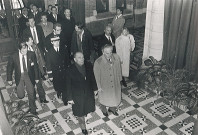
<point>48,45</point>
<point>39,39</point>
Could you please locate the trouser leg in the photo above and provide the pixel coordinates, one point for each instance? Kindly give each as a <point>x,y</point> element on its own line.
<point>124,82</point>
<point>81,121</point>
<point>113,109</point>
<point>40,90</point>
<point>103,108</point>
<point>30,91</point>
<point>20,89</point>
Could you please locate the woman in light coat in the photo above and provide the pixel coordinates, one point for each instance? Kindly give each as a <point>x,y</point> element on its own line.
<point>124,44</point>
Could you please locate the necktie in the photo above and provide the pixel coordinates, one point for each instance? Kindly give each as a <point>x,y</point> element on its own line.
<point>109,39</point>
<point>34,36</point>
<point>55,16</point>
<point>24,65</point>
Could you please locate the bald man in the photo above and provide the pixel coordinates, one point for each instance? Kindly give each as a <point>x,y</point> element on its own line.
<point>81,84</point>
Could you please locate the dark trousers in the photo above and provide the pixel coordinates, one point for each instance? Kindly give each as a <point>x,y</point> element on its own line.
<point>40,90</point>
<point>104,108</point>
<point>59,83</point>
<point>81,121</point>
<point>25,81</point>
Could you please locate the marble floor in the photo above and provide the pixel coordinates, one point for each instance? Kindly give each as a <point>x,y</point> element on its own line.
<point>140,113</point>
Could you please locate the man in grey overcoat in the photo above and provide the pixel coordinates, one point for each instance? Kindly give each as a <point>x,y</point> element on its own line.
<point>107,71</point>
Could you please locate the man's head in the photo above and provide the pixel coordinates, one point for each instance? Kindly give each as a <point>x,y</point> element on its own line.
<point>31,6</point>
<point>25,11</point>
<point>107,51</point>
<point>79,58</point>
<point>40,9</point>
<point>43,18</point>
<point>28,40</point>
<point>55,41</point>
<point>49,8</point>
<point>23,48</point>
<point>34,8</point>
<point>79,27</point>
<point>67,12</point>
<point>54,10</point>
<point>57,28</point>
<point>119,10</point>
<point>125,31</point>
<point>108,30</point>
<point>31,21</point>
<point>17,13</point>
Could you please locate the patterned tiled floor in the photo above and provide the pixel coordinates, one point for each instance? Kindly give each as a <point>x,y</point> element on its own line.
<point>140,113</point>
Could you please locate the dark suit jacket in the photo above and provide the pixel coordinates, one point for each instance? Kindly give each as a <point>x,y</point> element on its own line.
<point>22,25</point>
<point>87,44</point>
<point>57,61</point>
<point>14,64</point>
<point>103,41</point>
<point>41,37</point>
<point>52,19</point>
<point>68,27</point>
<point>80,89</point>
<point>37,17</point>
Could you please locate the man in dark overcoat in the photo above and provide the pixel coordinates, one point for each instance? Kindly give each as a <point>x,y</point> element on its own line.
<point>81,84</point>
<point>68,27</point>
<point>56,63</point>
<point>82,42</point>
<point>106,38</point>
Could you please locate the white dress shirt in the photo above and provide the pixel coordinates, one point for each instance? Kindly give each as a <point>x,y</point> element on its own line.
<point>108,37</point>
<point>21,62</point>
<point>81,36</point>
<point>56,49</point>
<point>55,16</point>
<point>37,41</point>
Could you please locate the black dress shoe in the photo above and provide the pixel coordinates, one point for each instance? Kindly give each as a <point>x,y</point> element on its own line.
<point>105,114</point>
<point>59,94</point>
<point>44,101</point>
<point>84,131</point>
<point>124,83</point>
<point>114,113</point>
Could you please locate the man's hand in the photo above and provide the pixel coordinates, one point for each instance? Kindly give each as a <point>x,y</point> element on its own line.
<point>100,90</point>
<point>46,76</point>
<point>10,83</point>
<point>70,102</point>
<point>96,93</point>
<point>36,81</point>
<point>51,79</point>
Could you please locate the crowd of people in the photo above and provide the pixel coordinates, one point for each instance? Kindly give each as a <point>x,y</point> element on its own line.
<point>62,50</point>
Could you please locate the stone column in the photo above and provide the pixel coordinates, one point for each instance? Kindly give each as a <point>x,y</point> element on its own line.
<point>112,6</point>
<point>153,40</point>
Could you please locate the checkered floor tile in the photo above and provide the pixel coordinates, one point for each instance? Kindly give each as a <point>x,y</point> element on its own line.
<point>140,112</point>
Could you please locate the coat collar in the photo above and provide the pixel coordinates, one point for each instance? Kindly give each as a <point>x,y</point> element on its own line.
<point>106,61</point>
